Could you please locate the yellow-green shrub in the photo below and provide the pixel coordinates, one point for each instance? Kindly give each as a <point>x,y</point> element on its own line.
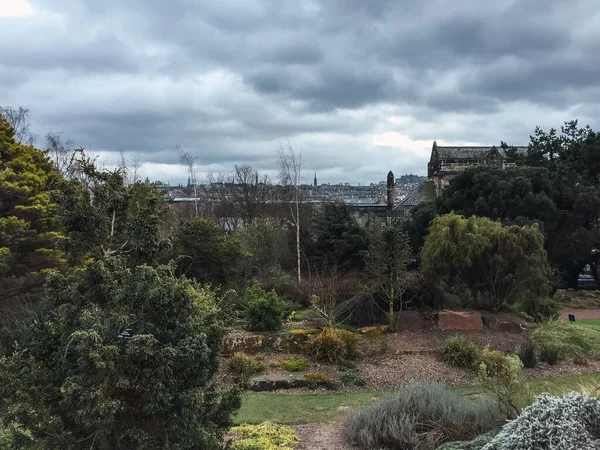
<point>244,365</point>
<point>334,345</point>
<point>265,436</point>
<point>293,364</point>
<point>319,379</point>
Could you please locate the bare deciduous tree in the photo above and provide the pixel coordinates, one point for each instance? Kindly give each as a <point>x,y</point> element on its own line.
<point>61,152</point>
<point>290,173</point>
<point>328,295</point>
<point>19,120</point>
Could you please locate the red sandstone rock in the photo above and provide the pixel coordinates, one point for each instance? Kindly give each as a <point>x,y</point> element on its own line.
<point>460,320</point>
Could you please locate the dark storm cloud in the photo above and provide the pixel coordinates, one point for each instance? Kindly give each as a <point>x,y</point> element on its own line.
<point>229,80</point>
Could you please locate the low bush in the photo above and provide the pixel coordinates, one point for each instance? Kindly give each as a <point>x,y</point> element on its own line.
<point>549,353</point>
<point>334,345</point>
<point>264,309</point>
<point>315,380</point>
<point>553,423</point>
<point>476,444</point>
<point>503,376</point>
<point>421,416</point>
<point>293,364</point>
<point>351,377</point>
<point>460,352</point>
<point>528,354</point>
<point>265,436</point>
<point>539,309</point>
<point>571,340</point>
<point>245,366</point>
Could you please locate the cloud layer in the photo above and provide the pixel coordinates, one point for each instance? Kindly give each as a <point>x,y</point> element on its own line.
<point>360,87</point>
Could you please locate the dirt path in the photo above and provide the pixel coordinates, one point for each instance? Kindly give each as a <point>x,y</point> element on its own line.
<point>580,313</point>
<point>326,436</point>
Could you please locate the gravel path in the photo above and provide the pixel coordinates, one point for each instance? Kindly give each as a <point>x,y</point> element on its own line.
<point>325,436</point>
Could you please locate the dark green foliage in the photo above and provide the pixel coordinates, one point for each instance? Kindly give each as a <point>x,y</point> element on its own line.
<point>104,218</point>
<point>72,383</point>
<point>549,353</point>
<point>539,309</point>
<point>460,352</point>
<point>527,353</point>
<point>339,241</point>
<point>498,265</point>
<point>421,416</point>
<point>206,253</point>
<point>264,309</point>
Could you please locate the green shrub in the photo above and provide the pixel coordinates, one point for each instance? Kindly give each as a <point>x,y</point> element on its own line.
<point>421,416</point>
<point>460,352</point>
<point>528,354</point>
<point>476,444</point>
<point>351,377</point>
<point>293,364</point>
<point>265,436</point>
<point>265,309</point>
<point>244,365</point>
<point>334,345</point>
<point>571,340</point>
<point>549,353</point>
<point>314,380</point>
<point>503,376</point>
<point>290,307</point>
<point>539,309</point>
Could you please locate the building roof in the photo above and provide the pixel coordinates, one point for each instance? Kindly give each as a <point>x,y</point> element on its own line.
<point>460,152</point>
<point>424,192</point>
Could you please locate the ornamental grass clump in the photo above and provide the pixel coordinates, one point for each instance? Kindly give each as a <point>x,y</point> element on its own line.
<point>334,345</point>
<point>460,352</point>
<point>421,416</point>
<point>571,422</point>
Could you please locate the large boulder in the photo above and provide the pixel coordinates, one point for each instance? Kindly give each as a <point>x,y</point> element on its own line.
<point>266,383</point>
<point>247,343</point>
<point>509,327</point>
<point>460,320</point>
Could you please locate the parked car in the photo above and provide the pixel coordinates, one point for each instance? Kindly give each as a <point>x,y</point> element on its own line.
<point>586,282</point>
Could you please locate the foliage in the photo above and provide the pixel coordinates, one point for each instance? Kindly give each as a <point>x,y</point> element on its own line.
<point>105,218</point>
<point>245,365</point>
<point>570,339</point>
<point>553,423</point>
<point>499,265</point>
<point>293,364</point>
<point>206,253</point>
<point>387,261</point>
<point>315,380</point>
<point>503,376</point>
<point>334,345</point>
<point>420,416</point>
<point>266,436</point>
<point>549,353</point>
<point>476,444</point>
<point>29,227</point>
<point>339,240</point>
<point>460,352</point>
<point>527,353</point>
<point>350,376</point>
<point>73,383</point>
<point>539,309</point>
<point>264,309</point>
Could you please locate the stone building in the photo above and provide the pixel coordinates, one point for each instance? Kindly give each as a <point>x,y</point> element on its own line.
<point>446,162</point>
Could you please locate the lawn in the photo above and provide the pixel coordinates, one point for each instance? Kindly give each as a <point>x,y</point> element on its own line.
<point>327,407</point>
<point>592,324</point>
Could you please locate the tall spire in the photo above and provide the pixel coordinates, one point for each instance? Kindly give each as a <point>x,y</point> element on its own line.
<point>315,182</point>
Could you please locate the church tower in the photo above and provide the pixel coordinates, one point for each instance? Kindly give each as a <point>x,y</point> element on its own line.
<point>315,182</point>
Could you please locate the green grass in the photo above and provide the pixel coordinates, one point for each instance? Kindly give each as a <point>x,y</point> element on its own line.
<point>592,324</point>
<point>327,407</point>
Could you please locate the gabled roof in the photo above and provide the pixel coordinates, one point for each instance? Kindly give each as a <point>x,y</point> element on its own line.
<point>424,192</point>
<point>470,152</point>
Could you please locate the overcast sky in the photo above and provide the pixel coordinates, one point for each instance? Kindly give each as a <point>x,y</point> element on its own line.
<point>360,86</point>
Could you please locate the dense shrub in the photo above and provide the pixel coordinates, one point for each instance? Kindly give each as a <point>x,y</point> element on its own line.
<point>540,309</point>
<point>571,340</point>
<point>549,353</point>
<point>244,365</point>
<point>351,377</point>
<point>265,309</point>
<point>476,444</point>
<point>528,354</point>
<point>460,352</point>
<point>421,416</point>
<point>553,423</point>
<point>314,380</point>
<point>265,436</point>
<point>503,376</point>
<point>334,345</point>
<point>293,364</point>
